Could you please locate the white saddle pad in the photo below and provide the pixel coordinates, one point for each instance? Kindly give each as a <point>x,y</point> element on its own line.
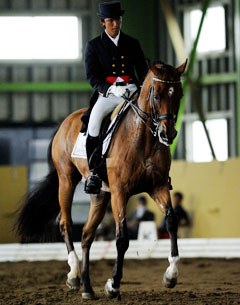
<point>79,149</point>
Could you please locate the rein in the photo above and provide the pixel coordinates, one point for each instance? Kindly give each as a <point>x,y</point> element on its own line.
<point>154,117</point>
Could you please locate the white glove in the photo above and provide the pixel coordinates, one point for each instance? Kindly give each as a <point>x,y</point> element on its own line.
<point>118,91</point>
<point>131,89</point>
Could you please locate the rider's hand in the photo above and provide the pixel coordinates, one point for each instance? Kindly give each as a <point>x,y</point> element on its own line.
<point>131,88</point>
<point>118,91</point>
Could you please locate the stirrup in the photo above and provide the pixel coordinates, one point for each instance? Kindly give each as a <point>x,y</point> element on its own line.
<point>93,184</point>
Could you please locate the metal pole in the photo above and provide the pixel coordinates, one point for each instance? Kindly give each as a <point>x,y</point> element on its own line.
<point>174,31</point>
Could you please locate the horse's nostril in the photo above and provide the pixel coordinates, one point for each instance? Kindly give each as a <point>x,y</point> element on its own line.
<point>164,137</point>
<point>163,134</point>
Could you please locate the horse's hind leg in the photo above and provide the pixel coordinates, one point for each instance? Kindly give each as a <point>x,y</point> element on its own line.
<point>67,185</point>
<point>96,213</point>
<point>163,200</point>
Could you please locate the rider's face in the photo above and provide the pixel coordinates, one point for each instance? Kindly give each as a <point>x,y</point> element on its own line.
<point>112,25</point>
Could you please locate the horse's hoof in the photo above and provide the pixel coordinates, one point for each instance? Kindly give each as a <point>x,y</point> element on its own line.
<point>73,284</point>
<point>88,296</point>
<point>110,291</point>
<point>169,283</point>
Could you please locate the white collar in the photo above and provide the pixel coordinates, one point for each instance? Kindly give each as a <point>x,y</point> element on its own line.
<point>114,40</point>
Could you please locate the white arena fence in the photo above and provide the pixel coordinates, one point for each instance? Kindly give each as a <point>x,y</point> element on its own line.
<point>138,249</point>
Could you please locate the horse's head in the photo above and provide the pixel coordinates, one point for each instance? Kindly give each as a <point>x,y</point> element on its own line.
<point>164,96</point>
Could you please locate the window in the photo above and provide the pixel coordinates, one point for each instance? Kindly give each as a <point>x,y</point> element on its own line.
<point>39,37</point>
<point>212,37</point>
<point>198,149</point>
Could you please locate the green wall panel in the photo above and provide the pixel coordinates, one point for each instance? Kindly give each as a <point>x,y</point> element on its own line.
<point>140,21</point>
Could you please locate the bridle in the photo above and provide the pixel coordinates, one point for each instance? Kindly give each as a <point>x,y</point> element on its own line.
<point>154,117</point>
<point>157,118</point>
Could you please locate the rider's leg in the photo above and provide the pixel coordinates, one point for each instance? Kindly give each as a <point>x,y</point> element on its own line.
<point>103,106</point>
<point>93,183</point>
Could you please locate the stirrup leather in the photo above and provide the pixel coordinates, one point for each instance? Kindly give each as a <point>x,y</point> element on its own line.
<point>93,184</point>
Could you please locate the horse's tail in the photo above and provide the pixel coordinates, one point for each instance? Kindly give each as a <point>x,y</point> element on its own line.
<point>36,218</point>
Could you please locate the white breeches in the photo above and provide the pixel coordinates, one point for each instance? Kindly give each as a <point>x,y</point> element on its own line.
<point>102,107</point>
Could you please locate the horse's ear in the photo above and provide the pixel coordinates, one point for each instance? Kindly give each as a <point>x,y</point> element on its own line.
<point>151,66</point>
<point>148,61</point>
<point>153,69</point>
<point>182,68</point>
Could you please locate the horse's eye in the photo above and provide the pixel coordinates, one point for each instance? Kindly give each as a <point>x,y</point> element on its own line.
<point>156,97</point>
<point>170,91</point>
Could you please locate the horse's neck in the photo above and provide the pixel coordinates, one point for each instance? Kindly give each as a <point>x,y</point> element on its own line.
<point>144,96</point>
<point>143,138</point>
<point>143,102</point>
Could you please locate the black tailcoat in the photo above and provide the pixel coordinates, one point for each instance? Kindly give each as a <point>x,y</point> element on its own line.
<point>103,58</point>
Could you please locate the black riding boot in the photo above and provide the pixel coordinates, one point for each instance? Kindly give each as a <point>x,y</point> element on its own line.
<point>93,183</point>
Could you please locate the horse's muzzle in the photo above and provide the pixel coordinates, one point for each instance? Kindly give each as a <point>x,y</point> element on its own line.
<point>165,137</point>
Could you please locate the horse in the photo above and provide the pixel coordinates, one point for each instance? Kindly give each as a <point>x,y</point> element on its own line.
<point>138,160</point>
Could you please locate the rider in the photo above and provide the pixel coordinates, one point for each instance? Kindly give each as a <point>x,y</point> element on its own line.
<point>111,60</point>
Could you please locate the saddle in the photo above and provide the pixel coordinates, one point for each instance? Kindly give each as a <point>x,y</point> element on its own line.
<point>109,124</point>
<point>108,128</point>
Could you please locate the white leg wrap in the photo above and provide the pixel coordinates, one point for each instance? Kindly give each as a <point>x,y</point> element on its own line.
<point>73,262</point>
<point>172,270</point>
<point>110,288</point>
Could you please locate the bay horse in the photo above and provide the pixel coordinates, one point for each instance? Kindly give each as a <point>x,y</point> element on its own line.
<point>138,161</point>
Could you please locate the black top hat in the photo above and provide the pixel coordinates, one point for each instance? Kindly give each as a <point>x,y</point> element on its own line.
<point>110,9</point>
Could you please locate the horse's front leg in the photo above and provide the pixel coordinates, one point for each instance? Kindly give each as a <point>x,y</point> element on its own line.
<point>163,200</point>
<point>96,213</point>
<point>112,287</point>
